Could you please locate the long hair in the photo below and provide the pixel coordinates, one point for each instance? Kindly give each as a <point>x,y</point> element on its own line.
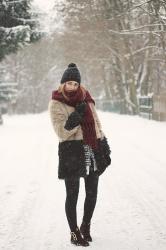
<point>61,90</point>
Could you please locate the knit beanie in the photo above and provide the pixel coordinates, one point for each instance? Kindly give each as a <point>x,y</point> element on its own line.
<point>71,74</point>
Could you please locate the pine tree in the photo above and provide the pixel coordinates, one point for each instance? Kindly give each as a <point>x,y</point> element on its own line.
<point>18,26</point>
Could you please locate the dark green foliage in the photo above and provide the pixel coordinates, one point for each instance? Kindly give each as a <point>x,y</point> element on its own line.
<point>18,25</point>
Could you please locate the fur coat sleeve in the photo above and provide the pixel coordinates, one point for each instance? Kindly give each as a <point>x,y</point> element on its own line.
<point>58,119</point>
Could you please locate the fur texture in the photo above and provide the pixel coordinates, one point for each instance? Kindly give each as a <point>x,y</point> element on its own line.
<point>72,158</point>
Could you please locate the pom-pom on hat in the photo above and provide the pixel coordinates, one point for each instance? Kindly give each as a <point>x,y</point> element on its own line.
<point>71,74</point>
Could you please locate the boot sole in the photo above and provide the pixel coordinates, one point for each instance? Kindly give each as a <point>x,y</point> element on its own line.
<point>78,244</point>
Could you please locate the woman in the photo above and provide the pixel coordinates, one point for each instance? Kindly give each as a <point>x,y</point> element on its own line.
<point>83,149</point>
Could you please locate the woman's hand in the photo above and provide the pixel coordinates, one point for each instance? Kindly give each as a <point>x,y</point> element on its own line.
<point>76,117</point>
<point>73,120</point>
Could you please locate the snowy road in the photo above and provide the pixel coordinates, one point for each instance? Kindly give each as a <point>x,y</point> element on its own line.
<point>131,206</point>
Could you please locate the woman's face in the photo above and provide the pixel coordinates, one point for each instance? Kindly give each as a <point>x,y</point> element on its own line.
<point>71,86</point>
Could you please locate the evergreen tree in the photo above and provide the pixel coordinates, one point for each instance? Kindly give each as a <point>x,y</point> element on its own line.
<point>18,26</point>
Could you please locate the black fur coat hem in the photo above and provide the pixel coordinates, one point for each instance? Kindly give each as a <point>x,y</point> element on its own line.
<point>72,158</point>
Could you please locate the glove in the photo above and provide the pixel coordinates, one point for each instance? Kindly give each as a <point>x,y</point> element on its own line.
<point>73,120</point>
<point>80,108</point>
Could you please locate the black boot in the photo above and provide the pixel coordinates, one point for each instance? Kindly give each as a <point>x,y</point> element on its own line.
<point>76,238</point>
<point>85,230</point>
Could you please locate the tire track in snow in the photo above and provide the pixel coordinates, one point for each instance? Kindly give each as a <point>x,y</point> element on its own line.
<point>18,233</point>
<point>138,216</point>
<point>152,210</point>
<point>17,225</point>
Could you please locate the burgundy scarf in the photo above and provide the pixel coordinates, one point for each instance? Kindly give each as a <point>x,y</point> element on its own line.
<point>88,123</point>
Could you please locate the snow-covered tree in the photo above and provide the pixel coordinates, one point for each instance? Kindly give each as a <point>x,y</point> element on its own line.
<point>18,26</point>
<point>120,39</point>
<point>119,46</point>
<point>8,93</point>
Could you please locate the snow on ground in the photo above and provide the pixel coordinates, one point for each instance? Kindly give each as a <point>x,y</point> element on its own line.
<point>130,212</point>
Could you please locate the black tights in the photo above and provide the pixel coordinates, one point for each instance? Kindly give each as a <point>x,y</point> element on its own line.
<point>72,190</point>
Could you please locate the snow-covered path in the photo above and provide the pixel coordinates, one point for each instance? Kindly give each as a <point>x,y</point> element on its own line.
<point>131,206</point>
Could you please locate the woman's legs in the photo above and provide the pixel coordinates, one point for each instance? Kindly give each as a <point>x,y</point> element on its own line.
<point>72,190</point>
<point>91,187</point>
